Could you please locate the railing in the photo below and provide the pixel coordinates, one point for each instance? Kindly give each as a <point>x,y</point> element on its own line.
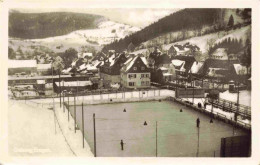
<point>218,115</point>
<point>230,106</point>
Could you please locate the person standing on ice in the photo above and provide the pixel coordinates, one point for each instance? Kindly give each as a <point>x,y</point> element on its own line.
<point>122,145</point>
<point>198,122</point>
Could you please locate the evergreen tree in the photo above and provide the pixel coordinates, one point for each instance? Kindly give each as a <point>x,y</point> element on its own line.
<point>231,21</point>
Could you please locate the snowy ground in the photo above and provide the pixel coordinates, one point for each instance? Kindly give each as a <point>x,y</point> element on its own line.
<point>106,33</point>
<point>244,97</point>
<point>228,115</point>
<point>32,132</point>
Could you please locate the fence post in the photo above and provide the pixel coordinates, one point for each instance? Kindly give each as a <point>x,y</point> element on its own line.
<point>94,125</point>
<point>156,141</point>
<point>75,113</point>
<point>198,146</point>
<point>68,107</point>
<point>82,112</point>
<point>63,102</point>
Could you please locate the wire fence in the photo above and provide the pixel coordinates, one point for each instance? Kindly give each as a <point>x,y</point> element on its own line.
<point>139,139</point>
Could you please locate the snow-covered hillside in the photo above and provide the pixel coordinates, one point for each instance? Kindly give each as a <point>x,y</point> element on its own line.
<point>107,32</point>
<point>203,41</point>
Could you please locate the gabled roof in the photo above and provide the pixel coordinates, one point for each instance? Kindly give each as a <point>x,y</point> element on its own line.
<point>196,67</point>
<point>130,62</point>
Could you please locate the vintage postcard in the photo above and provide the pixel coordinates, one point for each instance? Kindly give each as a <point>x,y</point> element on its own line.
<point>138,80</point>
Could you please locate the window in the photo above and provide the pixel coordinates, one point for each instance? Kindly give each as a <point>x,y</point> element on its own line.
<point>147,82</point>
<point>142,83</point>
<point>131,84</point>
<point>142,75</point>
<point>142,68</point>
<point>135,68</point>
<point>147,75</point>
<point>132,76</point>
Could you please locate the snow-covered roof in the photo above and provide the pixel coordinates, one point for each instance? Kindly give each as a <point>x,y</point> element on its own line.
<point>22,63</point>
<point>167,74</point>
<point>40,81</point>
<point>212,72</point>
<point>177,62</point>
<point>163,68</point>
<point>43,66</point>
<point>144,60</point>
<point>67,70</point>
<point>141,51</point>
<point>128,60</point>
<point>240,70</point>
<point>131,63</point>
<point>87,54</point>
<point>74,62</point>
<point>220,53</point>
<point>75,83</point>
<point>115,85</point>
<point>112,59</point>
<point>196,67</point>
<point>83,66</point>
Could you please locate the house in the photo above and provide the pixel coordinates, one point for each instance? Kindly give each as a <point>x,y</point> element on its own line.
<point>110,70</point>
<point>85,55</point>
<point>44,69</point>
<point>162,61</point>
<point>218,69</point>
<point>183,65</point>
<point>100,57</point>
<point>219,54</point>
<point>172,51</point>
<point>22,66</point>
<point>168,73</point>
<point>135,73</point>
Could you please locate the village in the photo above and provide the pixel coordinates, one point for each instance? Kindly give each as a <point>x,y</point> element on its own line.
<point>122,103</point>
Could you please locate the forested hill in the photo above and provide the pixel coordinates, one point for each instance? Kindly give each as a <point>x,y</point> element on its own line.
<point>43,25</point>
<point>179,21</point>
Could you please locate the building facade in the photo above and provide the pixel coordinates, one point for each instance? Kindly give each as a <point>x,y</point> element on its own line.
<point>135,74</point>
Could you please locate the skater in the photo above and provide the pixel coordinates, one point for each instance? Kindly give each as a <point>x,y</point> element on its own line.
<point>198,122</point>
<point>122,145</point>
<point>199,105</point>
<point>205,105</point>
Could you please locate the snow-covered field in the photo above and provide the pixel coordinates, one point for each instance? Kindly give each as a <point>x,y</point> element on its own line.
<point>106,33</point>
<point>202,41</point>
<point>244,97</point>
<point>32,132</point>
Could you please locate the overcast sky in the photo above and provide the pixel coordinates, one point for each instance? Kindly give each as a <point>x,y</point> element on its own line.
<point>135,17</point>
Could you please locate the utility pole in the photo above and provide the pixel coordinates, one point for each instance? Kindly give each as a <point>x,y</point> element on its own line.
<point>156,142</point>
<point>94,125</point>
<point>82,125</point>
<point>198,146</point>
<point>68,107</point>
<point>63,96</point>
<point>192,82</point>
<point>75,118</point>
<point>60,89</point>
<point>53,106</point>
<point>237,102</point>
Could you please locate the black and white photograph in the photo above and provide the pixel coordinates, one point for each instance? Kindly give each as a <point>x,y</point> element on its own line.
<point>129,82</point>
